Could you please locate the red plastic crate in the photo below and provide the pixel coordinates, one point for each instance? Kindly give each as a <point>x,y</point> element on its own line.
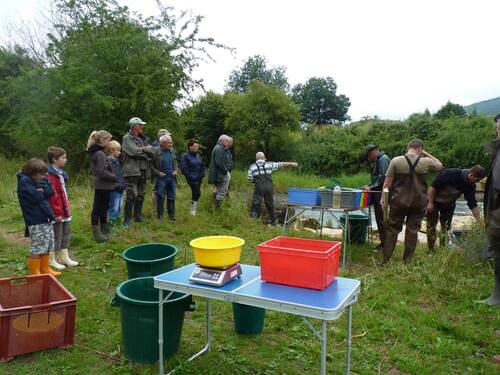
<point>299,262</point>
<point>36,313</point>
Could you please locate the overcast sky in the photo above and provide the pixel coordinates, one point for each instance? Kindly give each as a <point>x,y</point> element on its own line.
<point>391,58</point>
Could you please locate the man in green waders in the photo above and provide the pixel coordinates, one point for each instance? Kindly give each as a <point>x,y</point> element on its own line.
<point>261,174</point>
<point>492,212</point>
<point>406,178</point>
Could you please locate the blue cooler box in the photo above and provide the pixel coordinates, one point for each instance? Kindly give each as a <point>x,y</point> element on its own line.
<point>306,197</point>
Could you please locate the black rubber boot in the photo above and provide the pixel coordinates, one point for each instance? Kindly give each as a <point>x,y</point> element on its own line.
<point>127,212</point>
<point>98,237</point>
<point>159,207</point>
<point>106,229</point>
<point>171,209</point>
<point>218,202</point>
<point>138,210</point>
<point>494,299</point>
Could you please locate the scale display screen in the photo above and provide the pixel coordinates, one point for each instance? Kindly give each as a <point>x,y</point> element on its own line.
<point>215,277</point>
<point>202,274</point>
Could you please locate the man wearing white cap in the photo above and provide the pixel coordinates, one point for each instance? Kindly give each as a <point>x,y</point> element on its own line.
<point>136,154</point>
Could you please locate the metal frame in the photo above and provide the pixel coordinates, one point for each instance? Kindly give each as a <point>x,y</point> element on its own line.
<point>331,211</point>
<point>233,296</point>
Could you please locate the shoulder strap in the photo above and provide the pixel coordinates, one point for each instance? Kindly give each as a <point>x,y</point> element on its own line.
<point>412,166</point>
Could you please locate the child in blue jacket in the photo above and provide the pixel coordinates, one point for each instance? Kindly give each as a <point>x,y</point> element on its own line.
<point>34,191</point>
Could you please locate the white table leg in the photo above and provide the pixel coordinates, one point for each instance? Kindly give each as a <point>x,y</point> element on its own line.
<point>160,330</point>
<point>323,347</point>
<point>349,339</point>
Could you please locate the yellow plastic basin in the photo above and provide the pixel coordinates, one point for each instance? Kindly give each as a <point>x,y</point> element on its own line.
<point>217,251</point>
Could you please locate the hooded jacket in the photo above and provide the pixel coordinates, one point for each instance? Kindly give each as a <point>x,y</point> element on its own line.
<point>34,203</point>
<point>59,201</point>
<point>102,170</point>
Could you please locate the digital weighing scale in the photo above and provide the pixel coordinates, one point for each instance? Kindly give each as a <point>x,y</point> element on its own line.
<point>215,276</point>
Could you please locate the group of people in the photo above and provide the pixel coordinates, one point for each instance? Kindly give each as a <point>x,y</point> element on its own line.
<point>399,184</point>
<point>117,168</point>
<point>45,206</point>
<point>400,195</point>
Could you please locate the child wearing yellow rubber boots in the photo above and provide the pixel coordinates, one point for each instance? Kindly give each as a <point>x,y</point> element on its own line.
<point>34,191</point>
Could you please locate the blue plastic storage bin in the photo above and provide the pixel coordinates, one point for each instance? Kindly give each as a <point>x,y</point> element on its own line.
<point>306,197</point>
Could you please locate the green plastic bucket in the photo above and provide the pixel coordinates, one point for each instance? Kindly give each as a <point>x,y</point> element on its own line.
<point>248,320</point>
<point>150,259</point>
<point>138,302</point>
<point>358,228</point>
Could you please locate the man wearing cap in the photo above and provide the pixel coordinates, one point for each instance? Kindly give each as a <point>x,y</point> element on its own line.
<point>492,212</point>
<point>406,178</point>
<point>379,162</point>
<point>446,188</point>
<point>136,155</point>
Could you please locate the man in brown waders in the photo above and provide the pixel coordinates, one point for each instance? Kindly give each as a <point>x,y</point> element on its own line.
<point>406,178</point>
<point>492,212</point>
<point>446,188</point>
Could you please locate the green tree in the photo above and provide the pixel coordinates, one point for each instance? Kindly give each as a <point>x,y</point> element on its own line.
<point>319,102</point>
<point>105,65</point>
<point>450,110</point>
<point>255,68</point>
<point>204,121</point>
<point>262,119</point>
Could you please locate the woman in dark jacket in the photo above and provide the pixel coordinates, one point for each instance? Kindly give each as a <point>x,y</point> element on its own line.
<point>104,181</point>
<point>193,167</point>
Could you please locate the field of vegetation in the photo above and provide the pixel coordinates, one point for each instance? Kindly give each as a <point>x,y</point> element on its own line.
<point>420,318</point>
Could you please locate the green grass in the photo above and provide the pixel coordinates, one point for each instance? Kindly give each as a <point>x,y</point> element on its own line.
<point>418,319</point>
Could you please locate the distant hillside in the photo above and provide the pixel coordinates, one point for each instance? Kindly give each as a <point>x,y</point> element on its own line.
<point>486,107</point>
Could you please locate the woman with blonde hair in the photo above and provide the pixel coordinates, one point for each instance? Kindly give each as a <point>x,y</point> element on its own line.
<point>103,180</point>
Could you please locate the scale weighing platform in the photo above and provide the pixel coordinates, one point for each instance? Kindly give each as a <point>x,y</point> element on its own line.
<point>215,276</point>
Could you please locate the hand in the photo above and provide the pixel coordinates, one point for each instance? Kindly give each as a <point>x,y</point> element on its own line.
<point>40,190</point>
<point>430,207</point>
<point>174,173</point>
<point>366,188</point>
<point>58,219</point>
<point>162,174</point>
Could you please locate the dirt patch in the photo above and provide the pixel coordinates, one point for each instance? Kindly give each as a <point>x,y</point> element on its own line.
<point>14,237</point>
<point>395,371</point>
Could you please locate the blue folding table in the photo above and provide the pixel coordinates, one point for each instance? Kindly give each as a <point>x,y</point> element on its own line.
<point>327,304</point>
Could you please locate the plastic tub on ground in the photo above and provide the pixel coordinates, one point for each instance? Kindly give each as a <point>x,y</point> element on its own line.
<point>299,262</point>
<point>149,259</point>
<point>36,313</point>
<point>358,228</point>
<point>248,320</point>
<point>138,302</point>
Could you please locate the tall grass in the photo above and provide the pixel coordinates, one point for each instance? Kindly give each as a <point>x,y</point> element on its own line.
<point>9,168</point>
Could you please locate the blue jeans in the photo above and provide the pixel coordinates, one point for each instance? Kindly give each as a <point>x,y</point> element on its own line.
<point>115,204</point>
<point>166,187</point>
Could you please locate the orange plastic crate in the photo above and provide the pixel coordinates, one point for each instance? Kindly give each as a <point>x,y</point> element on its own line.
<point>299,262</point>
<point>36,313</point>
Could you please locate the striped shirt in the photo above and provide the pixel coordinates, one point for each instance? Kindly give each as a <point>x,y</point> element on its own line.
<point>262,167</point>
